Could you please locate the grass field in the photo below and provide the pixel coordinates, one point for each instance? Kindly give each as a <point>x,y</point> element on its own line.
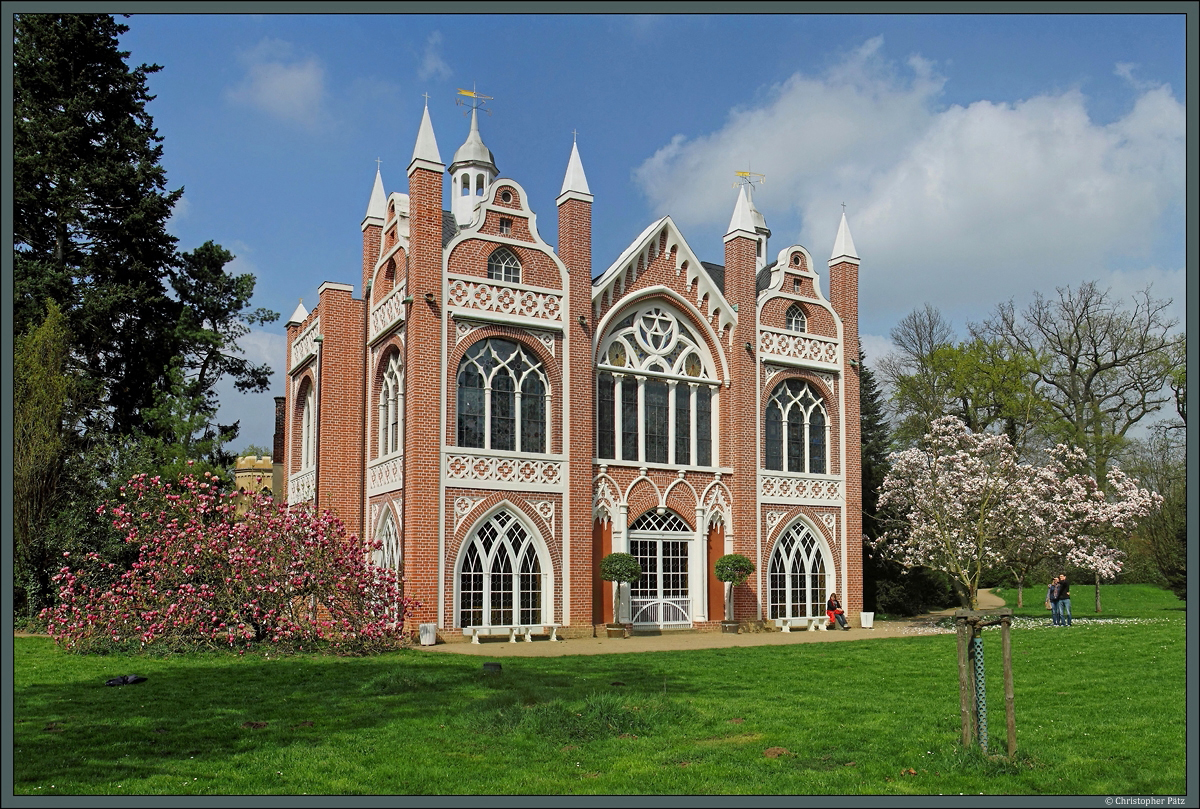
<point>854,717</point>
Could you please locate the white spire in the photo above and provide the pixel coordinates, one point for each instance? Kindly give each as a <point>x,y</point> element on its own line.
<point>426,148</point>
<point>575,180</point>
<point>742,219</point>
<point>843,245</point>
<point>473,149</point>
<point>298,316</point>
<point>377,207</point>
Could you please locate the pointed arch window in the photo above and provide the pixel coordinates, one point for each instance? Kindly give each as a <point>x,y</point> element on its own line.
<point>656,388</point>
<point>797,429</point>
<point>391,409</point>
<point>308,430</point>
<point>503,265</point>
<point>501,580</point>
<point>502,398</point>
<point>798,575</point>
<point>388,554</point>
<point>796,321</point>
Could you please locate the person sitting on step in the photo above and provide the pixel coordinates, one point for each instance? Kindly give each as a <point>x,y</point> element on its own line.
<point>833,609</point>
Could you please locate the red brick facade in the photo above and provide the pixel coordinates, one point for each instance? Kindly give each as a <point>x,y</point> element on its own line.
<point>504,420</point>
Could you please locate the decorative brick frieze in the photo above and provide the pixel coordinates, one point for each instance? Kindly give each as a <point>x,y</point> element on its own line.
<point>806,350</point>
<point>304,347</point>
<point>504,299</point>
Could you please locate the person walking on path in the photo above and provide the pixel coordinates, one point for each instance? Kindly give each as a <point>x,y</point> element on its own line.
<point>1052,600</point>
<point>1064,601</point>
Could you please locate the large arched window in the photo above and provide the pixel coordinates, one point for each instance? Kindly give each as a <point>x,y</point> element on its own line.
<point>502,398</point>
<point>500,580</point>
<point>796,321</point>
<point>308,429</point>
<point>391,409</point>
<point>796,429</point>
<point>656,390</point>
<point>503,265</point>
<point>798,575</point>
<point>389,554</point>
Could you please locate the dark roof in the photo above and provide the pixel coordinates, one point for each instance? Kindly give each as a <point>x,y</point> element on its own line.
<point>716,272</point>
<point>449,227</point>
<point>763,279</point>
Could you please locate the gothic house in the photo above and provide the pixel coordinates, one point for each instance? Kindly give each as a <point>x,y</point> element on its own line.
<point>501,420</point>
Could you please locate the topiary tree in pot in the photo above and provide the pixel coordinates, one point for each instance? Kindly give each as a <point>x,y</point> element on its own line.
<point>621,568</point>
<point>733,569</point>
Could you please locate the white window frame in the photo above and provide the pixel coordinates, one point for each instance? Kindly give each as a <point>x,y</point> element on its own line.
<point>391,409</point>
<point>646,343</point>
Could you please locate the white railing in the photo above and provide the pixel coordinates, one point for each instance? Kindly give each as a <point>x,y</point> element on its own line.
<point>305,344</point>
<point>800,489</point>
<point>489,470</point>
<point>661,611</point>
<point>803,347</point>
<point>387,313</point>
<point>385,475</point>
<point>302,486</point>
<point>505,299</point>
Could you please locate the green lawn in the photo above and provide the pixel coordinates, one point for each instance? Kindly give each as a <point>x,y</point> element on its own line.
<point>855,717</point>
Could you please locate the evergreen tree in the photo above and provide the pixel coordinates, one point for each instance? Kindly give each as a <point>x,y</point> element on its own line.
<point>41,390</point>
<point>146,333</point>
<point>91,208</point>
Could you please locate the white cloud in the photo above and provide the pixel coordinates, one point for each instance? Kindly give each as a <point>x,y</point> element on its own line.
<point>255,412</point>
<point>432,63</point>
<point>282,84</point>
<point>962,206</point>
<point>183,207</point>
<point>875,348</point>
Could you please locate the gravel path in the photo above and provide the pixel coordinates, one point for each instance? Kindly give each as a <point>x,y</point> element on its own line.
<point>499,648</point>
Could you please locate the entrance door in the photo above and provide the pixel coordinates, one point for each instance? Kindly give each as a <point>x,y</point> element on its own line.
<point>660,597</point>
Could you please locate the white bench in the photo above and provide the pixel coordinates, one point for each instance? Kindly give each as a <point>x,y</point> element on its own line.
<point>528,630</point>
<point>786,624</point>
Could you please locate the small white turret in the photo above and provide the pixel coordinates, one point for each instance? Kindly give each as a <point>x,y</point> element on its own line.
<point>471,173</point>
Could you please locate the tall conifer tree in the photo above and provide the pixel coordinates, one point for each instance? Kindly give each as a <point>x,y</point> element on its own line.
<point>91,208</point>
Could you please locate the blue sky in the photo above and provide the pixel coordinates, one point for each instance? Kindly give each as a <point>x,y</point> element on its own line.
<point>980,157</point>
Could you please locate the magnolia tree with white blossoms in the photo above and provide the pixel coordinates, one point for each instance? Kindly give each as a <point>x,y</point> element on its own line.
<point>966,504</point>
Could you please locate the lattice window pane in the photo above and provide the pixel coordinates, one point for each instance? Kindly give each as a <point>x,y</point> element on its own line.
<point>533,415</point>
<point>470,407</point>
<point>629,419</point>
<point>606,416</point>
<point>683,425</point>
<point>504,411</point>
<point>471,589</point>
<point>531,587</point>
<point>774,437</point>
<point>704,426</point>
<point>502,265</point>
<point>816,442</point>
<point>501,585</point>
<point>668,521</point>
<point>657,424</point>
<point>795,440</point>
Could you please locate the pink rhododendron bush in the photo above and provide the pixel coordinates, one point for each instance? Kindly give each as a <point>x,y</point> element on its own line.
<point>207,577</point>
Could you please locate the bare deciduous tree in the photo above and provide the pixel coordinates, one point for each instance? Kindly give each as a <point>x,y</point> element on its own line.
<point>1102,364</point>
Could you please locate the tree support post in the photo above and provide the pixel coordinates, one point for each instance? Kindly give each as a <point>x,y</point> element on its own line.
<point>971,686</point>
